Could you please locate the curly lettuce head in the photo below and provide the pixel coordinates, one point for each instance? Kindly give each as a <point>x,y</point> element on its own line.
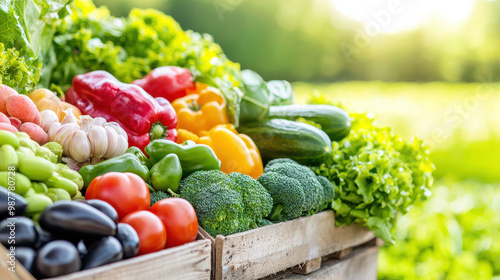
<point>377,175</point>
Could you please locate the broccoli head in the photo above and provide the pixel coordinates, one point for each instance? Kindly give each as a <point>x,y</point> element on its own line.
<point>313,191</point>
<point>288,196</point>
<point>226,204</point>
<point>157,196</point>
<point>328,192</point>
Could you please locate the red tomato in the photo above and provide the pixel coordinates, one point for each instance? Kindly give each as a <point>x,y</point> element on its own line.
<point>126,192</point>
<point>149,228</point>
<point>179,218</point>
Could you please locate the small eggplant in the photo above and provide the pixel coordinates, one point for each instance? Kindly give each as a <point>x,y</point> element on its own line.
<point>17,231</point>
<point>76,220</point>
<point>18,204</point>
<point>129,239</point>
<point>104,251</point>
<point>26,256</point>
<point>57,258</point>
<point>42,237</point>
<point>104,207</point>
<point>82,248</point>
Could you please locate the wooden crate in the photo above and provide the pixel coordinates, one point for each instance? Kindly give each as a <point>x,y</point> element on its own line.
<point>189,261</point>
<point>267,250</point>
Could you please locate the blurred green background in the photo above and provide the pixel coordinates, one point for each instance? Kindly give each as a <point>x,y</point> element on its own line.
<point>426,68</point>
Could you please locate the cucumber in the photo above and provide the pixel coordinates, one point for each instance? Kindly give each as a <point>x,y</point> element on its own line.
<point>333,120</point>
<point>280,138</point>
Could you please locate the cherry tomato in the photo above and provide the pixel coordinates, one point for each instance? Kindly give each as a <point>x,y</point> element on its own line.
<point>179,218</point>
<point>149,228</point>
<point>126,192</point>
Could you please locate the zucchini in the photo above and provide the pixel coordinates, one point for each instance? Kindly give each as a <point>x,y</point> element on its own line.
<point>279,138</point>
<point>333,120</point>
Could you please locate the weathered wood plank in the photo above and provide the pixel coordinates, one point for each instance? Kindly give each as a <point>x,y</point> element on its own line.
<point>260,252</point>
<point>360,265</point>
<point>341,254</point>
<point>308,266</point>
<point>191,261</point>
<point>20,273</point>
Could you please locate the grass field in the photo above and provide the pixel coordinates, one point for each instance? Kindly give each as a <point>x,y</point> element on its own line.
<point>454,234</point>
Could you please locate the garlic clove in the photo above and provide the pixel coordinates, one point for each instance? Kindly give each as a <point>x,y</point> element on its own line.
<point>64,132</point>
<point>98,139</point>
<point>99,121</point>
<point>54,127</point>
<point>118,129</point>
<point>48,118</point>
<point>86,123</point>
<point>122,145</point>
<point>112,142</point>
<point>70,117</point>
<point>79,147</point>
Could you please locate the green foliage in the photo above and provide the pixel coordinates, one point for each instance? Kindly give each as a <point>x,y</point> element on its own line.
<point>226,204</point>
<point>129,48</point>
<point>157,196</point>
<point>376,175</point>
<point>15,72</point>
<point>453,235</point>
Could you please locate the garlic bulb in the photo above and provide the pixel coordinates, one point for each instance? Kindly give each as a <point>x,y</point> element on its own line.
<point>85,139</point>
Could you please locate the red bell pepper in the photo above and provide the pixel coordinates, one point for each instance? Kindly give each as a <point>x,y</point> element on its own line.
<point>144,118</point>
<point>169,82</point>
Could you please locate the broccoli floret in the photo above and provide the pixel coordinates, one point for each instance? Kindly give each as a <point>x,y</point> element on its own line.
<point>313,190</point>
<point>279,160</point>
<point>157,196</point>
<point>288,196</point>
<point>328,192</point>
<point>258,202</point>
<point>226,204</point>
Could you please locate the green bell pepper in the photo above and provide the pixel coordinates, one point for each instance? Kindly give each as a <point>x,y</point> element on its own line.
<point>167,173</point>
<point>193,157</point>
<point>125,163</point>
<point>140,155</point>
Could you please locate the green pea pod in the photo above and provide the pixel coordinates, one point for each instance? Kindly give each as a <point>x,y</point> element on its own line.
<point>28,143</point>
<point>29,193</point>
<point>167,173</point>
<point>56,149</point>
<point>23,152</point>
<point>193,157</point>
<point>59,182</point>
<point>70,174</point>
<point>15,181</point>
<point>43,153</point>
<point>124,163</point>
<point>36,168</point>
<point>37,203</point>
<point>58,194</point>
<point>39,187</point>
<point>8,158</point>
<point>9,138</point>
<point>140,156</point>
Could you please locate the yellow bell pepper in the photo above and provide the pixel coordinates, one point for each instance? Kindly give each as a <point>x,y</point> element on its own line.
<point>184,135</point>
<point>237,152</point>
<point>202,110</point>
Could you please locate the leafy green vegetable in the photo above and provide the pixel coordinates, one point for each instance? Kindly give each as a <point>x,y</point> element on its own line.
<point>376,176</point>
<point>24,36</point>
<point>453,235</point>
<point>15,72</point>
<point>129,48</point>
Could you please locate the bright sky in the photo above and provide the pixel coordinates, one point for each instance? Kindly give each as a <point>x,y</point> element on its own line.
<point>398,15</point>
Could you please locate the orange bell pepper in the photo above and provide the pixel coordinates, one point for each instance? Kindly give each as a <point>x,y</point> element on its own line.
<point>237,152</point>
<point>201,110</point>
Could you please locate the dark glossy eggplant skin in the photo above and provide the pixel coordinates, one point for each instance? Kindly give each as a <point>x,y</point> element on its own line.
<point>82,248</point>
<point>129,239</point>
<point>76,220</point>
<point>21,231</point>
<point>26,256</point>
<point>104,251</point>
<point>104,207</point>
<point>57,258</point>
<point>42,237</point>
<point>19,204</point>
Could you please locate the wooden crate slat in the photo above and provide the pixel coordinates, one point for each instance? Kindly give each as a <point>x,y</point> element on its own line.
<point>263,251</point>
<point>360,265</point>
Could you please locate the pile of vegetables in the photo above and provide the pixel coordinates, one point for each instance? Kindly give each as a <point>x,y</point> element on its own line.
<point>153,131</point>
